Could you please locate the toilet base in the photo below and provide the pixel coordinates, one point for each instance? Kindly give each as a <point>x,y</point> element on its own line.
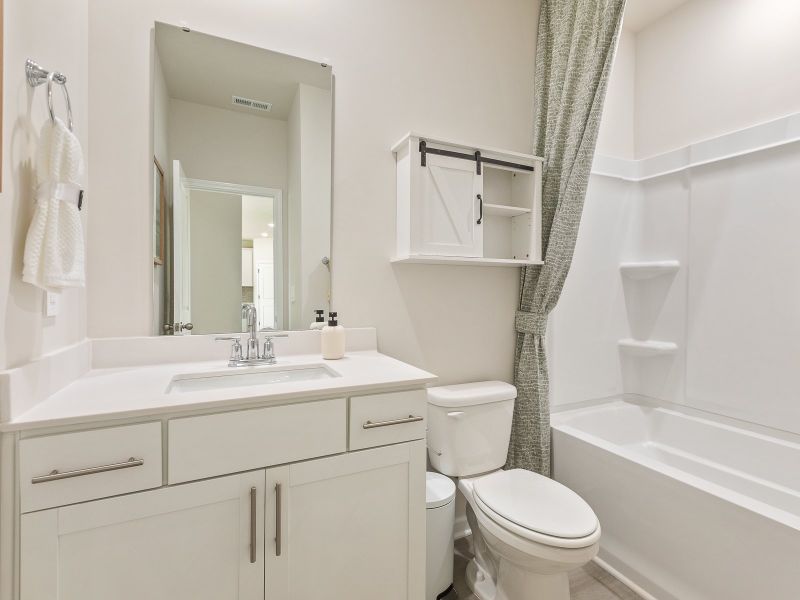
<point>479,581</point>
<point>516,584</point>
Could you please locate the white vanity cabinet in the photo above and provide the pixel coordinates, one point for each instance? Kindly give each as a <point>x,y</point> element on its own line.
<point>464,204</point>
<point>302,507</point>
<point>198,541</point>
<point>348,527</point>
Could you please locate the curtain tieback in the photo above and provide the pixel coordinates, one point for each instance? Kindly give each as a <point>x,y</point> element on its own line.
<point>533,323</point>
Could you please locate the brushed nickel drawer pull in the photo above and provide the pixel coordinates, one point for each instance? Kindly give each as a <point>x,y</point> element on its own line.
<point>278,519</point>
<point>55,475</point>
<point>253,539</point>
<point>408,419</point>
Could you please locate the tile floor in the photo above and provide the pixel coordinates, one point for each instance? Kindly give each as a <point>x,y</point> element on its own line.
<point>588,583</point>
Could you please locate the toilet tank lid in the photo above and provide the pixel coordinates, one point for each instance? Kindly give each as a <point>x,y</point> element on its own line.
<point>469,394</point>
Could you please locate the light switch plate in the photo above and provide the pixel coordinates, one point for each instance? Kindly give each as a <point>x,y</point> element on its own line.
<point>51,304</point>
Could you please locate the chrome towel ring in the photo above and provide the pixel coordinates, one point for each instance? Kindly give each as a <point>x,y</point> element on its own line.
<point>36,76</point>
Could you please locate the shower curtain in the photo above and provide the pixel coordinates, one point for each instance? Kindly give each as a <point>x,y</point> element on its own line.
<point>574,52</point>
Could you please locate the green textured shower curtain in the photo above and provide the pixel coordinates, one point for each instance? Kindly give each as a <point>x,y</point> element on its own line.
<point>574,52</point>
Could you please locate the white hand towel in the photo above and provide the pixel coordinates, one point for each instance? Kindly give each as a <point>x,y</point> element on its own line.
<point>54,248</point>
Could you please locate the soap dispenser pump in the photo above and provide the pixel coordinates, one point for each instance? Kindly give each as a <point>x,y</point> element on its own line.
<point>333,338</point>
<point>319,320</point>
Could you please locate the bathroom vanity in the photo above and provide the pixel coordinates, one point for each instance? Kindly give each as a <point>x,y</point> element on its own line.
<point>127,484</point>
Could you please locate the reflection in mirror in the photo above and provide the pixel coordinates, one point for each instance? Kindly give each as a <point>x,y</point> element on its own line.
<point>246,133</point>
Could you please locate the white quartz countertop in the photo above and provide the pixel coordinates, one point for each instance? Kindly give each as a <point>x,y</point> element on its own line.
<point>104,394</point>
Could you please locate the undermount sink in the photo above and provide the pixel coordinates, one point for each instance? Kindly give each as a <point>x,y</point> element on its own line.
<point>196,382</point>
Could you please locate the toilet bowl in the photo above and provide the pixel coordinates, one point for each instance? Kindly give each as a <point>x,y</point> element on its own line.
<point>528,531</point>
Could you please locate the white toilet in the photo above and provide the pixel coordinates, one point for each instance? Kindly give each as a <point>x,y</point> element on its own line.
<point>528,531</point>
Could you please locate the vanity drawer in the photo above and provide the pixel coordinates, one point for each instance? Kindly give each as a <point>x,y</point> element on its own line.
<point>90,464</point>
<point>219,444</point>
<point>381,419</point>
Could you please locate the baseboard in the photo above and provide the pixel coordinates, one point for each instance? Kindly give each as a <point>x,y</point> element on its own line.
<point>626,580</point>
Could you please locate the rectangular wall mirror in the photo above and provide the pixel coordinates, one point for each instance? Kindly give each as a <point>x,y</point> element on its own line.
<point>244,136</point>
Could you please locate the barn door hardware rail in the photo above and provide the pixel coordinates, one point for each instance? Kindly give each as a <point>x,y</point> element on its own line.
<point>424,150</point>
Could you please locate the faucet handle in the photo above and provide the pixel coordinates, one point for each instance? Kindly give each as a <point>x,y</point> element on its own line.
<point>236,349</point>
<point>269,348</point>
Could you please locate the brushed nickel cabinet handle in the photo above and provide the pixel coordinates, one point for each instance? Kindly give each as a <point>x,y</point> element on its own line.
<point>278,519</point>
<point>55,475</point>
<point>408,419</point>
<point>252,525</point>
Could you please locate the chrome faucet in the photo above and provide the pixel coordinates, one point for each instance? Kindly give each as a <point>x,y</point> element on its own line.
<point>249,312</point>
<point>251,355</point>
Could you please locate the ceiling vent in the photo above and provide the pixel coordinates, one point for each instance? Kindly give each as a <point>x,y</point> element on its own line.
<point>250,103</point>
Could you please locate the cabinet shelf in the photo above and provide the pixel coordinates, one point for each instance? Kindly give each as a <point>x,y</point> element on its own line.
<point>648,269</point>
<point>647,347</point>
<point>464,261</point>
<point>502,210</point>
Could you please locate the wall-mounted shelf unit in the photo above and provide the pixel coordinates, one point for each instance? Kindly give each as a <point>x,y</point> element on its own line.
<point>647,347</point>
<point>462,204</point>
<point>649,269</point>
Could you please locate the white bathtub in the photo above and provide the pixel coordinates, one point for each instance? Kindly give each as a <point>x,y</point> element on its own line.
<point>691,507</point>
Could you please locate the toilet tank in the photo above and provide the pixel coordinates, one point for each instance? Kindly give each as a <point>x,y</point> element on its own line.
<point>469,426</point>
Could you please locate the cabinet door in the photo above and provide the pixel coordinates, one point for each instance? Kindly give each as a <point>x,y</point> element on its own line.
<point>447,208</point>
<point>187,542</point>
<point>351,527</point>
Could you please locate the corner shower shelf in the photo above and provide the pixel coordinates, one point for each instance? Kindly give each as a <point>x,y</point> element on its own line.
<point>648,270</point>
<point>647,347</point>
<point>421,259</point>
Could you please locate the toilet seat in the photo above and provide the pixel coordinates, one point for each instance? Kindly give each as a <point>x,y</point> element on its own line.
<point>536,508</point>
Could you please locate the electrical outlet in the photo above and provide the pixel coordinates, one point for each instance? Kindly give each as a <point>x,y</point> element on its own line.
<point>51,304</point>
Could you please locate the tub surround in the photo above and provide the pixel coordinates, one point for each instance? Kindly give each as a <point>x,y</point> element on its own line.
<point>702,206</point>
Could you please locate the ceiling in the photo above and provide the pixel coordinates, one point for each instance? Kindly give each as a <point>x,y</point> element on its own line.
<point>256,217</point>
<point>641,13</point>
<point>209,70</point>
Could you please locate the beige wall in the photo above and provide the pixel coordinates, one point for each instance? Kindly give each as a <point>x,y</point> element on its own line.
<point>453,68</point>
<point>224,145</point>
<point>715,66</point>
<point>55,35</point>
<point>216,264</point>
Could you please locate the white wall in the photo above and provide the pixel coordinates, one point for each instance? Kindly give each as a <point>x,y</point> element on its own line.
<point>714,66</point>
<point>55,35</point>
<point>470,79</point>
<point>225,145</point>
<point>616,136</point>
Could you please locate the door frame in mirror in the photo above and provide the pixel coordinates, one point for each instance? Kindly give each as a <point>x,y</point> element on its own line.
<point>277,215</point>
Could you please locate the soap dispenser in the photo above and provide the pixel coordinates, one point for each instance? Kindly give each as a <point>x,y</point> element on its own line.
<point>319,321</point>
<point>332,338</point>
